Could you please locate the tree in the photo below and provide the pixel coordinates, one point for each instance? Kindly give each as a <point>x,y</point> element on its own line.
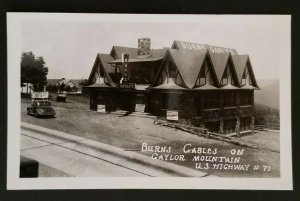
<point>33,70</point>
<point>83,82</point>
<point>61,87</point>
<point>68,88</point>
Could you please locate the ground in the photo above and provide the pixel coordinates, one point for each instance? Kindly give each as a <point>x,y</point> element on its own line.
<point>130,132</point>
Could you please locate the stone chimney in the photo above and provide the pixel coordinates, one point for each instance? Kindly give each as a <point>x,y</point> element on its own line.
<point>144,47</point>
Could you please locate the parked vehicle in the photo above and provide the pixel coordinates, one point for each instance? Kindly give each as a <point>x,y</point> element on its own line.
<point>40,108</point>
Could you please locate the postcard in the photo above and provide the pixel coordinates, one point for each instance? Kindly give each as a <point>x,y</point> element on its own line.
<point>133,101</point>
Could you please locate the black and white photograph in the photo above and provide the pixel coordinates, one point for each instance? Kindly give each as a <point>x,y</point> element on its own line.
<point>149,101</point>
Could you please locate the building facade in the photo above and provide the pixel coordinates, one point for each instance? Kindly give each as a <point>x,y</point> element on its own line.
<point>211,86</point>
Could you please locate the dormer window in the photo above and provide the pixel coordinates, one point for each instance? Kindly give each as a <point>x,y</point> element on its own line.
<point>227,76</point>
<point>246,78</point>
<point>171,70</point>
<point>204,76</point>
<point>225,79</point>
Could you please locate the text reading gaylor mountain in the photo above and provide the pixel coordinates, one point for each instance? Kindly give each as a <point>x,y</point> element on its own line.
<point>204,158</point>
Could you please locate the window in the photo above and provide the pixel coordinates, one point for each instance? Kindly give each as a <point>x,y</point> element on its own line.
<point>227,76</point>
<point>212,100</point>
<point>43,103</point>
<point>172,70</point>
<point>205,76</point>
<point>244,77</point>
<point>171,101</point>
<point>229,125</point>
<point>229,99</point>
<point>245,98</point>
<point>245,123</point>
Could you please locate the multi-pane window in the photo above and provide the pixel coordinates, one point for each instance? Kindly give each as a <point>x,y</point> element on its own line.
<point>171,70</point>
<point>244,77</point>
<point>205,76</point>
<point>245,123</point>
<point>212,100</point>
<point>229,99</point>
<point>171,101</point>
<point>227,76</point>
<point>246,98</point>
<point>229,125</point>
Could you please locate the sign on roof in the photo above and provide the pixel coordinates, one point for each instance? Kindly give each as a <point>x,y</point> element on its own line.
<point>196,46</point>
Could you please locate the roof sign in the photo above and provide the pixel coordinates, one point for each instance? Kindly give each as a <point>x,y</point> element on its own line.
<point>196,46</point>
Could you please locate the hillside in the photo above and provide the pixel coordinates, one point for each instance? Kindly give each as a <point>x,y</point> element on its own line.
<point>268,95</point>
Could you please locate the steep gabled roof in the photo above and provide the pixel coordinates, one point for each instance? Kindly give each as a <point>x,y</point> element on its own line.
<point>155,54</point>
<point>168,84</point>
<point>77,81</point>
<point>158,52</point>
<point>229,86</point>
<point>239,62</point>
<point>188,63</point>
<point>105,58</point>
<point>206,87</point>
<point>101,60</point>
<point>249,66</point>
<point>219,61</point>
<point>188,45</point>
<point>120,50</point>
<point>196,46</point>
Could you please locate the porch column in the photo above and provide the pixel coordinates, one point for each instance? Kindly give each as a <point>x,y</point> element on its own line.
<point>252,125</point>
<point>221,126</point>
<point>237,127</point>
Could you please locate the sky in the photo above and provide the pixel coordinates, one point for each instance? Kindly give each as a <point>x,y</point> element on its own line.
<point>70,47</point>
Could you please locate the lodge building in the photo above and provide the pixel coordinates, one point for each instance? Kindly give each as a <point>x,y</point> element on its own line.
<point>212,87</point>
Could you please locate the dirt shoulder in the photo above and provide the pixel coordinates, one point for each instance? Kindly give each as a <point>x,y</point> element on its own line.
<point>129,133</point>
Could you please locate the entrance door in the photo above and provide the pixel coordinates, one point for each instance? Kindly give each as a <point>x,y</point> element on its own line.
<point>125,101</point>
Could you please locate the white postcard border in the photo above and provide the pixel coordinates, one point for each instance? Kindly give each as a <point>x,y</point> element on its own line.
<point>13,151</point>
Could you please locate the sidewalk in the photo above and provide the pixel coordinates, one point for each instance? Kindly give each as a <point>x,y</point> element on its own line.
<point>80,156</point>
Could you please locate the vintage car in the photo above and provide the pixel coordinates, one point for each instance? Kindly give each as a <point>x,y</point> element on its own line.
<point>40,108</point>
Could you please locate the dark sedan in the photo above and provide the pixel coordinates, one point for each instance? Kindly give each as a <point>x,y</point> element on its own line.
<point>40,108</point>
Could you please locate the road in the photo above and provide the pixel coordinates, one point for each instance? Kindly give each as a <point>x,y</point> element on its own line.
<point>57,155</point>
<point>62,154</point>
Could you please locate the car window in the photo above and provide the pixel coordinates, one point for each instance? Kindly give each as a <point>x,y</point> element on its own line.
<point>43,103</point>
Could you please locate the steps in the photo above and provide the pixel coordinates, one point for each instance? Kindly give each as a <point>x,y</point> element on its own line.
<point>136,114</point>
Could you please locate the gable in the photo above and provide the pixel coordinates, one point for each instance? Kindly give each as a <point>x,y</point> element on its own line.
<point>206,75</point>
<point>229,75</point>
<point>188,63</point>
<point>219,62</point>
<point>243,65</point>
<point>117,51</point>
<point>251,73</point>
<point>239,62</point>
<point>168,71</point>
<point>100,69</point>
